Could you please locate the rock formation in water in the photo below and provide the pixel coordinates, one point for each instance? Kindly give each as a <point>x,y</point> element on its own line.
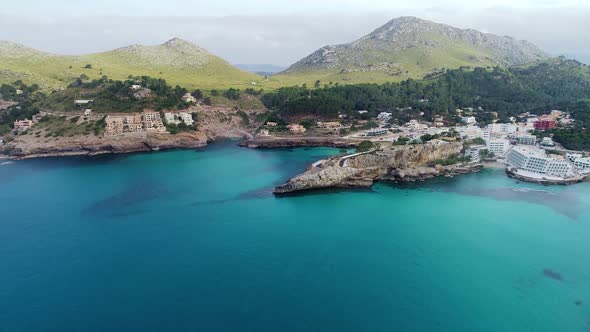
<point>407,163</point>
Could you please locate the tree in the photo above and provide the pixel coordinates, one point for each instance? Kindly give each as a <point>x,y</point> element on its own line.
<point>317,84</point>
<point>197,94</point>
<point>88,66</point>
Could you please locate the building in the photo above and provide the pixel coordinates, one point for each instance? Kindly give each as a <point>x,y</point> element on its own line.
<point>328,125</point>
<point>188,98</point>
<point>152,121</point>
<point>581,163</point>
<point>133,123</point>
<point>469,120</point>
<point>22,125</point>
<point>19,91</point>
<point>37,118</point>
<point>544,125</point>
<point>80,102</point>
<point>135,87</point>
<point>271,124</point>
<point>498,146</point>
<point>547,141</point>
<point>87,112</point>
<point>502,128</point>
<point>296,129</point>
<point>474,152</point>
<point>363,112</point>
<point>384,116</point>
<point>535,160</point>
<point>187,118</point>
<point>526,139</point>
<point>114,125</point>
<point>171,118</point>
<point>470,132</point>
<point>263,132</point>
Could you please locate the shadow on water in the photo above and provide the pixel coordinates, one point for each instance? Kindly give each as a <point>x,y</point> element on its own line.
<point>118,204</point>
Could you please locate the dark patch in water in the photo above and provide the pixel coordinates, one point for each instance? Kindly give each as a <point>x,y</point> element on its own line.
<point>552,275</point>
<point>565,203</point>
<point>578,303</point>
<point>327,191</point>
<point>135,193</point>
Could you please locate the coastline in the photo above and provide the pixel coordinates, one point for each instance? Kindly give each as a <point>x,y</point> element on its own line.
<point>299,141</point>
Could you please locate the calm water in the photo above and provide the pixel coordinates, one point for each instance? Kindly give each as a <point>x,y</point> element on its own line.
<point>194,241</point>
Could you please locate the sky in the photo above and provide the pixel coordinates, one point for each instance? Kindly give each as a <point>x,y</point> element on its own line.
<point>279,32</point>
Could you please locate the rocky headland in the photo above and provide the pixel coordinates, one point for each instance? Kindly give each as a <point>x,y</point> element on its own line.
<point>406,163</point>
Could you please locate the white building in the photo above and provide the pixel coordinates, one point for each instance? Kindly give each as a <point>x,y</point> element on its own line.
<point>502,128</point>
<point>535,160</point>
<point>188,98</point>
<point>474,151</point>
<point>547,141</point>
<point>469,120</point>
<point>187,118</point>
<point>87,112</point>
<point>526,139</point>
<point>581,163</point>
<point>470,132</point>
<point>498,146</point>
<point>135,87</point>
<point>384,116</point>
<point>177,118</point>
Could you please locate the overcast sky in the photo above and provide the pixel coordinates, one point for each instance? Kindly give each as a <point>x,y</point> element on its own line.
<point>277,31</point>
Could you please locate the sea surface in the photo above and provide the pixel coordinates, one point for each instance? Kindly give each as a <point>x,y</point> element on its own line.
<point>195,241</point>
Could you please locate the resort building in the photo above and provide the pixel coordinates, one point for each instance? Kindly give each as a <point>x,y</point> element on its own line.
<point>581,163</point>
<point>271,124</point>
<point>114,125</point>
<point>87,112</point>
<point>502,128</point>
<point>526,139</point>
<point>152,121</point>
<point>177,118</point>
<point>22,125</point>
<point>263,132</point>
<point>133,123</point>
<point>535,160</point>
<point>498,146</point>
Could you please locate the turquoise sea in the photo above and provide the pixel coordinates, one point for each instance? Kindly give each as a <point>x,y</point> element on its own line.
<point>195,241</point>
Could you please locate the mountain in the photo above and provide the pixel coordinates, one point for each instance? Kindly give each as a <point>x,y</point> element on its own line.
<point>412,47</point>
<point>178,61</point>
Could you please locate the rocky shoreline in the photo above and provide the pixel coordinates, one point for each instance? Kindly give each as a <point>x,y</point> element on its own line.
<point>91,146</point>
<point>292,142</point>
<point>410,163</point>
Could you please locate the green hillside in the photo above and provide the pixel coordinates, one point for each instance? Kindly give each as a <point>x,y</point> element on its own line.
<point>177,61</point>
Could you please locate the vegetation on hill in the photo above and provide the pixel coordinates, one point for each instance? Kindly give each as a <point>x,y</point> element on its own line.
<point>177,61</point>
<point>507,92</point>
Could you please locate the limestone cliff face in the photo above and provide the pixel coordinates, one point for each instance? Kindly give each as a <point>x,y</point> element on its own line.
<point>396,163</point>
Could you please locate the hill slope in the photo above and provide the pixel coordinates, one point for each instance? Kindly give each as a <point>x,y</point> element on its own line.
<point>409,47</point>
<point>177,61</point>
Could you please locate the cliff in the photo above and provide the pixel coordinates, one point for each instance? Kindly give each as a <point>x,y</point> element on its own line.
<point>407,163</point>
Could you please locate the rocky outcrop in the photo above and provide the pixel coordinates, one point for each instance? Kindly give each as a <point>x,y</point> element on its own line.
<point>408,163</point>
<point>30,147</point>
